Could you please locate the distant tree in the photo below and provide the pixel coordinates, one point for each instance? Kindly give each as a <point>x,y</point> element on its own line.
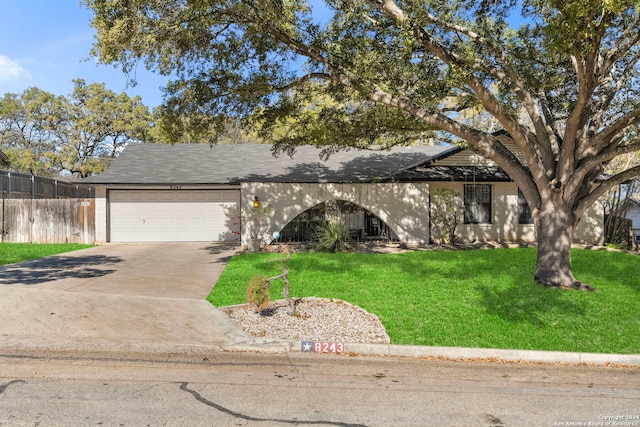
<point>96,125</point>
<point>47,135</point>
<point>26,130</point>
<point>562,82</point>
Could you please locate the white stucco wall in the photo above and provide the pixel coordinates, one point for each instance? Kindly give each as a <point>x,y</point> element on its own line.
<point>504,226</point>
<point>402,206</point>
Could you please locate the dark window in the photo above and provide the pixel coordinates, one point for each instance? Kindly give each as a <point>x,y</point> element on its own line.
<point>524,212</point>
<point>362,225</point>
<point>477,203</point>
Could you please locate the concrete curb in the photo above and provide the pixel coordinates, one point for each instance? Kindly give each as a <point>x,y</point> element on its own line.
<point>461,353</point>
<point>451,353</point>
<point>31,346</point>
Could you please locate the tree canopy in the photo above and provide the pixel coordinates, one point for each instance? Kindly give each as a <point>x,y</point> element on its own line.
<point>46,135</point>
<point>561,78</point>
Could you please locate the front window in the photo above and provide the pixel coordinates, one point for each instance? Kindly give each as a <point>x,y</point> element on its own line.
<point>524,212</point>
<point>477,203</point>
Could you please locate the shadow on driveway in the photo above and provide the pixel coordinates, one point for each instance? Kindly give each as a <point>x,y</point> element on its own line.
<point>57,267</point>
<point>224,251</point>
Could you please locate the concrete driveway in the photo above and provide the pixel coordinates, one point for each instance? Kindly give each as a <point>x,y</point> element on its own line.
<point>117,297</point>
<point>171,270</point>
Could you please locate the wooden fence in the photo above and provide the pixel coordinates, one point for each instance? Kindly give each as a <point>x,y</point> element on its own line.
<point>20,186</point>
<point>47,220</point>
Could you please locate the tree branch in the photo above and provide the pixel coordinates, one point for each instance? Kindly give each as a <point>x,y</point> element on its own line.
<point>584,203</point>
<point>611,85</point>
<point>297,46</point>
<point>486,144</point>
<point>512,79</point>
<point>632,37</point>
<point>604,137</point>
<point>608,155</point>
<point>302,80</point>
<point>521,136</point>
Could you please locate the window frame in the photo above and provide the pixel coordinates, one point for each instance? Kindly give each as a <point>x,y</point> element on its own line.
<point>478,203</point>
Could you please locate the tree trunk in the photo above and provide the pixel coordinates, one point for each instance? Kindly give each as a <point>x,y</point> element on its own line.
<point>555,228</point>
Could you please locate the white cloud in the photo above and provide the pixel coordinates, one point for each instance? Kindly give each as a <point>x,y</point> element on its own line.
<point>11,71</point>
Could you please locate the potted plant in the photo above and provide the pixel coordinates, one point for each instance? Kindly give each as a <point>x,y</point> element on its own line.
<point>255,224</point>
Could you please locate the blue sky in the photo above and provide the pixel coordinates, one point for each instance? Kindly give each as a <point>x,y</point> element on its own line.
<point>46,43</point>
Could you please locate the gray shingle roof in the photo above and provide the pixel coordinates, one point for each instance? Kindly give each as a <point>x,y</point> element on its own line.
<point>233,164</point>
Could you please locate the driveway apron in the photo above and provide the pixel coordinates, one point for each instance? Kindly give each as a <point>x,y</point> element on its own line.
<point>117,296</point>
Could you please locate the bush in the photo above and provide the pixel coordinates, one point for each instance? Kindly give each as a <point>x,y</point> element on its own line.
<point>333,236</point>
<point>258,292</point>
<point>447,209</point>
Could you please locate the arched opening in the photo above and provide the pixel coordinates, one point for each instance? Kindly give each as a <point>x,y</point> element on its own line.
<point>360,224</point>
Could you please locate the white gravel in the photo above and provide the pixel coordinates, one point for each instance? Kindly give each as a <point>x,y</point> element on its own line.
<point>316,319</point>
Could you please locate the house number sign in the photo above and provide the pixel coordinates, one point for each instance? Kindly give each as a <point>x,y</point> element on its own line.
<point>175,187</point>
<point>323,347</point>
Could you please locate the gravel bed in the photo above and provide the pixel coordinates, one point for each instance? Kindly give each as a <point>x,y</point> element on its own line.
<point>316,319</point>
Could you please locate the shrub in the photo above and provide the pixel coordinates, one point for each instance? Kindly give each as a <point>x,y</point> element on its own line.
<point>333,236</point>
<point>258,292</point>
<point>447,209</point>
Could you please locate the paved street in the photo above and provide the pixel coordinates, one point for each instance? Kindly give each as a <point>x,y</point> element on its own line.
<point>247,389</point>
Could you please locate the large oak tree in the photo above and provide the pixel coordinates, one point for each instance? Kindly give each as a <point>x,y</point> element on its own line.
<point>559,76</point>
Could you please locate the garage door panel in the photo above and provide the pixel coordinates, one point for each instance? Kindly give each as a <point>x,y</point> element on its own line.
<point>165,216</point>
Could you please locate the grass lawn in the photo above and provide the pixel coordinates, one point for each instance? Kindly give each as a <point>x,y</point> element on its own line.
<point>16,252</point>
<point>475,298</point>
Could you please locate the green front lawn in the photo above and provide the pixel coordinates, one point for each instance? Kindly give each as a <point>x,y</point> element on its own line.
<point>475,298</point>
<point>16,252</point>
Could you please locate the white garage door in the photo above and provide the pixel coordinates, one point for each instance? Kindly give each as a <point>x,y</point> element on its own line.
<point>172,215</point>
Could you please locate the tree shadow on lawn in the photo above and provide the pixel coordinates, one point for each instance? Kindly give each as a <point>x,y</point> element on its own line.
<point>531,304</point>
<point>599,266</point>
<point>422,263</point>
<point>53,268</point>
<point>500,280</point>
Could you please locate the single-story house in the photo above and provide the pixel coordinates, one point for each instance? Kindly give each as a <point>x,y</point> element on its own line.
<point>192,192</point>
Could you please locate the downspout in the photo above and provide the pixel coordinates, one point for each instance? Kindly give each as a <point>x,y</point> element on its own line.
<point>2,232</point>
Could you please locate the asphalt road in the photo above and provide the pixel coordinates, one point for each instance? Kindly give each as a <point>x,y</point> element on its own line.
<point>248,389</point>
